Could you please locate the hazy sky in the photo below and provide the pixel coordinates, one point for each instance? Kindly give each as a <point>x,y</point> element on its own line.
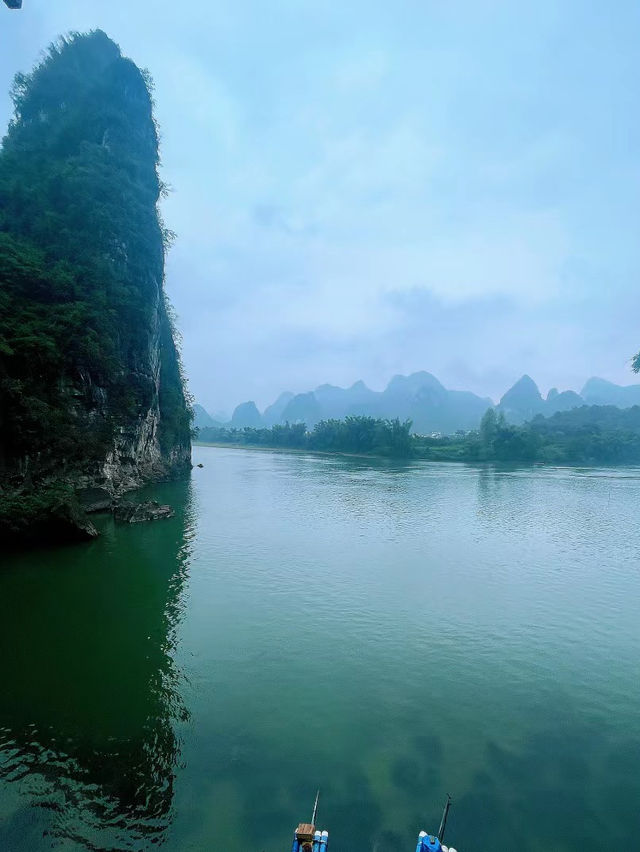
<point>367,188</point>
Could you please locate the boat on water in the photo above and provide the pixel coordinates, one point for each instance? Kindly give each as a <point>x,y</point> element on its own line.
<point>308,838</point>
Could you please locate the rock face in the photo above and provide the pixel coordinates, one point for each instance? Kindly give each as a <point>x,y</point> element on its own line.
<point>93,394</point>
<point>135,513</point>
<point>95,499</point>
<point>28,517</point>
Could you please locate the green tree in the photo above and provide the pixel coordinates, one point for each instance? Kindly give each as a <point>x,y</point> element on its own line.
<point>363,435</point>
<point>488,432</point>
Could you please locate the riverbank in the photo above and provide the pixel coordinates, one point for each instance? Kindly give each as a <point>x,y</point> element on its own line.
<point>295,450</point>
<point>509,464</point>
<point>586,436</point>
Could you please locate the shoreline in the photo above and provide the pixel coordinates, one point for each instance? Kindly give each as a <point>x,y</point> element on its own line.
<point>410,459</point>
<point>298,451</point>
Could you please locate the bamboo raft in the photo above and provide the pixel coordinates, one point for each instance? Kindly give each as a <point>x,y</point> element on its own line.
<point>308,838</point>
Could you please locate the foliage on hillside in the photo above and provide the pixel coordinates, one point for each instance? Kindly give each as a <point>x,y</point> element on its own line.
<point>81,260</point>
<point>361,435</point>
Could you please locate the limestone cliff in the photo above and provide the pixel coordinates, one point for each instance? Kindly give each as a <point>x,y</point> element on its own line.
<point>91,388</point>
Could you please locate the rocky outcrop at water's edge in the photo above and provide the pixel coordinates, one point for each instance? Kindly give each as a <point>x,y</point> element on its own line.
<point>92,395</point>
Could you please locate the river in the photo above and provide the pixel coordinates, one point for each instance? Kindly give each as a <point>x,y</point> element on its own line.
<point>387,632</point>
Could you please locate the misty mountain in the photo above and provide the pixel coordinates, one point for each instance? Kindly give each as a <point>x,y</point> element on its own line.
<point>424,400</point>
<point>339,403</point>
<point>202,418</point>
<point>246,414</point>
<point>419,397</point>
<point>273,413</point>
<point>303,408</point>
<point>601,392</point>
<point>523,401</point>
<point>564,401</point>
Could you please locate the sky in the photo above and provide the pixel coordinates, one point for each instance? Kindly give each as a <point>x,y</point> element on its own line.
<point>369,188</point>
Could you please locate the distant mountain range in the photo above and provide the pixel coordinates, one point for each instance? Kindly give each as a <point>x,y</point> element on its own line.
<point>523,401</point>
<point>421,398</point>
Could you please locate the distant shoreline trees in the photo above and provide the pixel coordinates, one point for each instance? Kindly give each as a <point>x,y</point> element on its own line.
<point>359,435</point>
<point>589,435</point>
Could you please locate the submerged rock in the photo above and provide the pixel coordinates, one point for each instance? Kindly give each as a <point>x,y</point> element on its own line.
<point>134,513</point>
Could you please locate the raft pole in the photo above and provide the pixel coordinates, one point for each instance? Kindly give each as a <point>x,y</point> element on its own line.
<point>435,842</point>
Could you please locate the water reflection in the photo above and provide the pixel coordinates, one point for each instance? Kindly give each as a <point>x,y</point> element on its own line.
<point>385,633</point>
<point>90,690</point>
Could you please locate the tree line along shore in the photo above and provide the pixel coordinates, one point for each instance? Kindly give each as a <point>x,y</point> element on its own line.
<point>590,435</point>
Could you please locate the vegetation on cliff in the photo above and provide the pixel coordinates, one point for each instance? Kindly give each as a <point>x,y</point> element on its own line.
<point>87,351</point>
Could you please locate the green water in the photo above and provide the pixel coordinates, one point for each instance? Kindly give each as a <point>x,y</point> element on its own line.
<point>385,632</point>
